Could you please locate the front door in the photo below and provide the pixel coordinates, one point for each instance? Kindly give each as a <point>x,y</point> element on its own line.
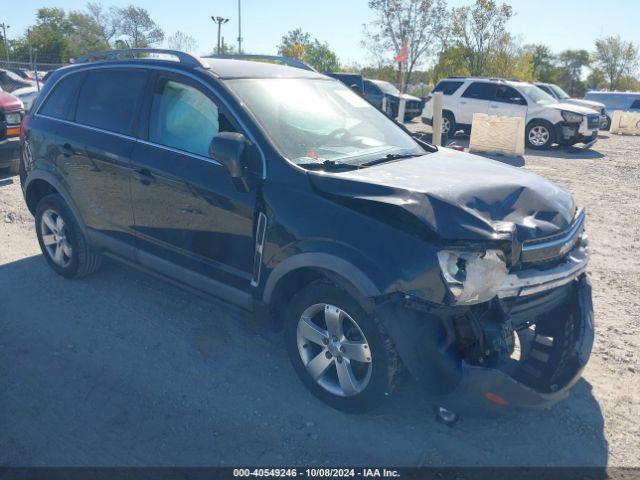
<point>508,103</point>
<point>190,218</point>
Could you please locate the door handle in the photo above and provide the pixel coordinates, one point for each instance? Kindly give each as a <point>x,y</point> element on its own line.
<point>495,106</point>
<point>144,176</point>
<point>67,150</point>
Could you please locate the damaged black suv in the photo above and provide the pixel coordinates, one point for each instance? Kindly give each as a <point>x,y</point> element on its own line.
<point>282,191</point>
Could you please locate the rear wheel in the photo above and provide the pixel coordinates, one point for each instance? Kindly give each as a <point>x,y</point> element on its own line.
<point>339,352</point>
<point>448,123</point>
<point>61,239</point>
<point>539,135</point>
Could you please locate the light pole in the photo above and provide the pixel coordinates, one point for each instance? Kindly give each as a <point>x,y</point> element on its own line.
<point>4,38</point>
<point>220,21</point>
<point>239,26</point>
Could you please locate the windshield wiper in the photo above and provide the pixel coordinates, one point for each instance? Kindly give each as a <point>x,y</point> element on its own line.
<point>329,165</point>
<point>390,157</point>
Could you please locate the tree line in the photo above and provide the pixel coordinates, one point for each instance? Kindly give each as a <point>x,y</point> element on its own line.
<point>468,40</point>
<point>57,36</point>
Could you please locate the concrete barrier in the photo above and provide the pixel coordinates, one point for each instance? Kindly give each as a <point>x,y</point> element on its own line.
<point>495,134</point>
<point>625,123</point>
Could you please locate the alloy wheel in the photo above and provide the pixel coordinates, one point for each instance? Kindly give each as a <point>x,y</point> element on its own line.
<point>446,125</point>
<point>539,135</point>
<point>55,238</point>
<point>334,350</point>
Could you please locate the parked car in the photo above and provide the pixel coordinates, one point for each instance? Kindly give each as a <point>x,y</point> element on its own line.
<point>11,112</point>
<point>625,101</point>
<point>282,191</point>
<point>376,90</point>
<point>9,81</point>
<point>355,81</point>
<point>547,120</point>
<point>27,95</point>
<point>559,94</point>
<point>22,73</point>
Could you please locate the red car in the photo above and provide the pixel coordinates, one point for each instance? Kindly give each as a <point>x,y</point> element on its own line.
<point>11,113</point>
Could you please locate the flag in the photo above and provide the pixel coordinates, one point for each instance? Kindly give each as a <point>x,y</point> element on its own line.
<point>402,55</point>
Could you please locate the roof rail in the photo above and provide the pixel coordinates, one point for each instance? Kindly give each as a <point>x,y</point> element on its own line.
<point>183,57</point>
<point>291,62</point>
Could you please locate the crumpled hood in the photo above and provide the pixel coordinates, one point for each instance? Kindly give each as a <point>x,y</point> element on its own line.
<point>9,103</point>
<point>585,103</point>
<point>569,107</point>
<point>455,195</point>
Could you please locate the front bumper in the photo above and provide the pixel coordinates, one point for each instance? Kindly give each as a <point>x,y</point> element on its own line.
<point>552,315</point>
<point>9,151</point>
<point>572,133</point>
<point>491,389</point>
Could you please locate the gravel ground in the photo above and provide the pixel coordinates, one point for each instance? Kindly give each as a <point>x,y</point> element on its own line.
<point>124,369</point>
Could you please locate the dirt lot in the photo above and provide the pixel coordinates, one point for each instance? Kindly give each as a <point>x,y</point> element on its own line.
<point>123,369</point>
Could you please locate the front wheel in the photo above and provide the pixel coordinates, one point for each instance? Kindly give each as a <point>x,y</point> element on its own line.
<point>606,125</point>
<point>539,135</point>
<point>339,352</point>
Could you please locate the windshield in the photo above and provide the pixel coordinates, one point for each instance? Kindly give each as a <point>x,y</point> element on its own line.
<point>536,95</point>
<point>387,87</point>
<point>312,121</point>
<point>560,93</point>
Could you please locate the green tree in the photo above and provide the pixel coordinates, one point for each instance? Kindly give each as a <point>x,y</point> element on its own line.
<point>450,62</point>
<point>299,44</point>
<point>596,79</point>
<point>137,28</point>
<point>616,58</point>
<point>570,65</point>
<point>420,24</point>
<point>543,62</point>
<point>84,35</point>
<point>480,29</point>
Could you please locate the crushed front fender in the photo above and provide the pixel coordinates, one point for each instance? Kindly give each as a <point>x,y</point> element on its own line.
<point>550,361</point>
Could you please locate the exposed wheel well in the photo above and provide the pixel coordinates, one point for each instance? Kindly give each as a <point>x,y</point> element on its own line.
<point>36,191</point>
<point>296,280</point>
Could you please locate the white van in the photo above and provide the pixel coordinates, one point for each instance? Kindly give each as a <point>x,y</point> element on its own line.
<point>547,120</point>
<point>625,101</point>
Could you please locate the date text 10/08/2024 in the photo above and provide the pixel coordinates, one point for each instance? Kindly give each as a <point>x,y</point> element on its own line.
<point>317,472</point>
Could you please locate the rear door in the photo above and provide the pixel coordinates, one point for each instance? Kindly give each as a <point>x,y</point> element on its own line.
<point>94,152</point>
<point>190,219</point>
<point>508,103</point>
<point>475,99</point>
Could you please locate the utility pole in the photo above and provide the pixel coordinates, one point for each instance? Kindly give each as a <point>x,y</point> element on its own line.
<point>239,26</point>
<point>4,27</point>
<point>220,21</point>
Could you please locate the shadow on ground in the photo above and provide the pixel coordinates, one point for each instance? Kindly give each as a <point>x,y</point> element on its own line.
<point>123,369</point>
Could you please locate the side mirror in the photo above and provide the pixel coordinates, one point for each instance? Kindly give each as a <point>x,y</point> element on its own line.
<point>227,148</point>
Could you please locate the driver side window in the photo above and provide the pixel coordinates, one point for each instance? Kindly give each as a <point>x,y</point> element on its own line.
<point>184,118</point>
<point>509,95</point>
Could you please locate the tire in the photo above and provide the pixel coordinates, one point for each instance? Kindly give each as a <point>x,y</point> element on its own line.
<point>607,125</point>
<point>449,121</point>
<point>367,382</point>
<point>76,257</point>
<point>539,135</point>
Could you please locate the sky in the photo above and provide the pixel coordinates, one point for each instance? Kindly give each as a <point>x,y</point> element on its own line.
<point>560,24</point>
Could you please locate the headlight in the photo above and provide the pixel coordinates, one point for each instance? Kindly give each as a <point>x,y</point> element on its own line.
<point>13,118</point>
<point>571,117</point>
<point>473,277</point>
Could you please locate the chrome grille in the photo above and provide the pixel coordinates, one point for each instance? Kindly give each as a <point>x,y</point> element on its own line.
<point>553,247</point>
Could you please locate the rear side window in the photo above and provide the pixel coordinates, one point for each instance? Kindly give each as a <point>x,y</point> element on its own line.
<point>480,91</point>
<point>447,87</point>
<point>109,99</point>
<point>636,104</point>
<point>61,97</point>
